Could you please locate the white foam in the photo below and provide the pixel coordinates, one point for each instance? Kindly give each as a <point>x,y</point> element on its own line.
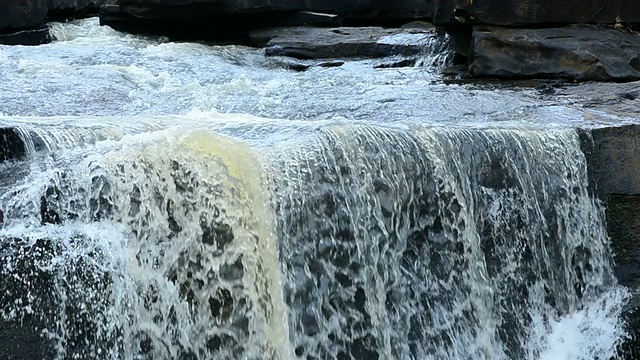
<point>590,333</point>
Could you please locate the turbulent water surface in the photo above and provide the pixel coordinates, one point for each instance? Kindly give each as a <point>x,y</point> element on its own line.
<point>189,201</point>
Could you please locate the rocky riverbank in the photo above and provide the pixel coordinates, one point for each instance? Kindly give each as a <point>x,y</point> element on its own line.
<point>527,40</point>
<point>510,39</point>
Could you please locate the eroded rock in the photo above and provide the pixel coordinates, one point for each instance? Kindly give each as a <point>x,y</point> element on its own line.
<point>354,42</point>
<point>581,53</point>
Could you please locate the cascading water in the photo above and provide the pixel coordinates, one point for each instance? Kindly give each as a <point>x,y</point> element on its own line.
<point>347,242</point>
<point>155,246</point>
<point>138,222</point>
<point>442,244</point>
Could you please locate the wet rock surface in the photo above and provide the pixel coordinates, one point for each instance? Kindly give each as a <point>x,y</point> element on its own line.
<point>355,42</point>
<point>613,170</point>
<point>217,19</point>
<point>346,9</point>
<point>42,298</point>
<point>623,225</point>
<point>603,103</point>
<point>613,163</point>
<point>12,146</point>
<point>34,13</point>
<point>581,53</point>
<point>630,348</point>
<point>616,160</point>
<point>36,36</point>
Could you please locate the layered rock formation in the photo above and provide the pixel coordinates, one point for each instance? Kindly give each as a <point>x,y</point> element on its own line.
<point>354,42</point>
<point>581,53</point>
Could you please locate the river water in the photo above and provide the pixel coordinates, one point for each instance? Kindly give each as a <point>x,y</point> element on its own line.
<point>190,201</point>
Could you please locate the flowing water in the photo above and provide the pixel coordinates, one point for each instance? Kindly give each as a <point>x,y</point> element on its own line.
<point>187,201</point>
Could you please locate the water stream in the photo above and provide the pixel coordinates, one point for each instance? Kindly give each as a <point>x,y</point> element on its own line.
<point>344,213</point>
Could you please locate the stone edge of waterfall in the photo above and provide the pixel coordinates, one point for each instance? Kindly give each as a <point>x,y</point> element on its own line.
<point>613,161</point>
<point>605,149</point>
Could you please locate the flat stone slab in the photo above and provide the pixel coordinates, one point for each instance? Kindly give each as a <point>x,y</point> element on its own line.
<point>580,53</point>
<point>351,42</point>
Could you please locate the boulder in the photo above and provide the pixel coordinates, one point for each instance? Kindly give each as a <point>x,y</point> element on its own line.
<point>353,42</point>
<point>534,12</point>
<point>29,14</point>
<point>580,53</point>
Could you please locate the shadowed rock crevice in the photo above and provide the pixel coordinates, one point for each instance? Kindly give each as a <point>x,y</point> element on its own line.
<point>12,146</point>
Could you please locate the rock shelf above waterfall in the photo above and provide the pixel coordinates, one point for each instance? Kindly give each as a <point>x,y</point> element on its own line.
<point>525,40</point>
<point>353,42</point>
<point>539,47</point>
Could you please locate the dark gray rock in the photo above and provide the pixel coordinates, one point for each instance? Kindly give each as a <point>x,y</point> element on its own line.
<point>322,43</point>
<point>37,36</point>
<point>23,14</point>
<point>408,9</point>
<point>211,19</point>
<point>40,294</point>
<point>300,18</point>
<point>27,14</point>
<point>12,146</point>
<point>623,226</point>
<point>204,21</point>
<point>529,12</point>
<point>581,53</point>
<point>199,9</point>
<point>615,160</point>
<point>613,169</point>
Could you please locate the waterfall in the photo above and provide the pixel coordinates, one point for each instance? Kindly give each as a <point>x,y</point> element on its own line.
<point>346,242</point>
<point>156,245</point>
<point>441,244</point>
